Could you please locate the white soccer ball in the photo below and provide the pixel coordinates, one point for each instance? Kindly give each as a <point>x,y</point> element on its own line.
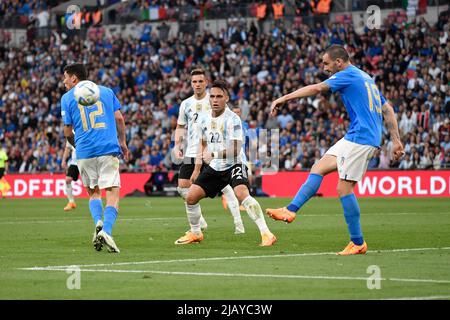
<point>86,93</point>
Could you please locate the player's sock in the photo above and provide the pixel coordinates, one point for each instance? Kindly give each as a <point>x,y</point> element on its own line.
<point>96,208</point>
<point>233,203</point>
<point>69,192</point>
<point>182,192</point>
<point>352,217</point>
<point>110,218</point>
<point>307,190</point>
<point>255,213</point>
<point>194,215</point>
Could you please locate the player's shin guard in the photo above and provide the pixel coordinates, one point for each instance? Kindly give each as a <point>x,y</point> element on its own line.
<point>307,190</point>
<point>233,204</point>
<point>352,217</point>
<point>96,208</point>
<point>69,192</point>
<point>255,213</point>
<point>194,215</point>
<point>110,218</point>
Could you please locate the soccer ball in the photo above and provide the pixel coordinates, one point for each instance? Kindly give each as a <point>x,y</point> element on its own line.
<point>86,93</point>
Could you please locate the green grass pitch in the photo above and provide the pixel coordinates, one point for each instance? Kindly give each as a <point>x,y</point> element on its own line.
<point>408,239</point>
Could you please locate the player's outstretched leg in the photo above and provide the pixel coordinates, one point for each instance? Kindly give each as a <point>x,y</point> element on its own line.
<point>307,190</point>
<point>183,193</point>
<point>233,205</point>
<point>194,235</point>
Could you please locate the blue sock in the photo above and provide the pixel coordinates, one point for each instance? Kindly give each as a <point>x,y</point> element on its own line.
<point>96,208</point>
<point>307,190</point>
<point>351,214</point>
<point>110,218</point>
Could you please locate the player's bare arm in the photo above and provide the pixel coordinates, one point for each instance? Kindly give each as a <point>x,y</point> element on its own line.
<point>68,133</point>
<point>198,160</point>
<point>180,133</point>
<point>120,125</point>
<point>392,126</point>
<point>65,156</point>
<point>307,91</point>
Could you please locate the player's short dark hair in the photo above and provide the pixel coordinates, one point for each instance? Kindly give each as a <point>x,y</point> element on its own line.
<point>221,84</point>
<point>198,71</point>
<point>337,51</point>
<point>77,69</point>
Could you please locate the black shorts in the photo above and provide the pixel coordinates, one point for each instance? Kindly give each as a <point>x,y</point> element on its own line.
<point>187,168</point>
<point>2,172</point>
<point>212,181</point>
<point>73,172</point>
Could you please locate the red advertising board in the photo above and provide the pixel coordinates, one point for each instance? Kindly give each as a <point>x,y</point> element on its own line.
<point>53,185</point>
<point>282,184</point>
<point>418,183</point>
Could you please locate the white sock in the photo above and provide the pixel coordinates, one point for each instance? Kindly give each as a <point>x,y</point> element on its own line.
<point>69,192</point>
<point>255,213</point>
<point>194,215</point>
<point>183,193</point>
<point>233,204</point>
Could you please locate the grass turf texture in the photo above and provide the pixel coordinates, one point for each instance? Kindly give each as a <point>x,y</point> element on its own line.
<point>301,265</point>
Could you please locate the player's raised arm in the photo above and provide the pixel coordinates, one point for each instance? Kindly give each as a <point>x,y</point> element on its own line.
<point>120,125</point>
<point>392,126</point>
<point>307,91</point>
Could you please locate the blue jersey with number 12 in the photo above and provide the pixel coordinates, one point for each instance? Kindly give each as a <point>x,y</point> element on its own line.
<point>94,126</point>
<point>363,102</point>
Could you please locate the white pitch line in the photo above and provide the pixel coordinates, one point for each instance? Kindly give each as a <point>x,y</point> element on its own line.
<point>247,275</point>
<point>184,218</point>
<point>228,258</point>
<point>87,220</point>
<point>420,298</point>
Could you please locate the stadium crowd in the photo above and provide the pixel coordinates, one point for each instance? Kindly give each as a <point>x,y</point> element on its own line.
<point>150,76</point>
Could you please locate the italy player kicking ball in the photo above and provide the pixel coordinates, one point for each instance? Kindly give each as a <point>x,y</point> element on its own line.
<point>350,156</point>
<point>220,148</point>
<point>99,140</point>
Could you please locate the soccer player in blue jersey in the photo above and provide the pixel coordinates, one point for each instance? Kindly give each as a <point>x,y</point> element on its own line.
<point>99,140</point>
<point>350,156</point>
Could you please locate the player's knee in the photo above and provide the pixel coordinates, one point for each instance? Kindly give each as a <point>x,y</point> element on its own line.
<point>241,194</point>
<point>343,190</point>
<point>191,198</point>
<point>69,180</point>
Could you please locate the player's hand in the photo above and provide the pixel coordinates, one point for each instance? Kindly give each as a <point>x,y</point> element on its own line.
<point>178,154</point>
<point>63,165</point>
<point>207,156</point>
<point>397,150</point>
<point>275,106</point>
<point>194,175</point>
<point>125,151</point>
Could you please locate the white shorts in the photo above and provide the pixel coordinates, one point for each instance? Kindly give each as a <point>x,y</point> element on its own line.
<point>100,171</point>
<point>352,159</point>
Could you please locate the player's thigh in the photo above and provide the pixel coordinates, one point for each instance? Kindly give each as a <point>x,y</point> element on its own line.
<point>72,173</point>
<point>108,174</point>
<point>325,165</point>
<point>195,194</point>
<point>211,181</point>
<point>185,174</point>
<point>89,172</point>
<point>353,159</point>
<point>239,181</point>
